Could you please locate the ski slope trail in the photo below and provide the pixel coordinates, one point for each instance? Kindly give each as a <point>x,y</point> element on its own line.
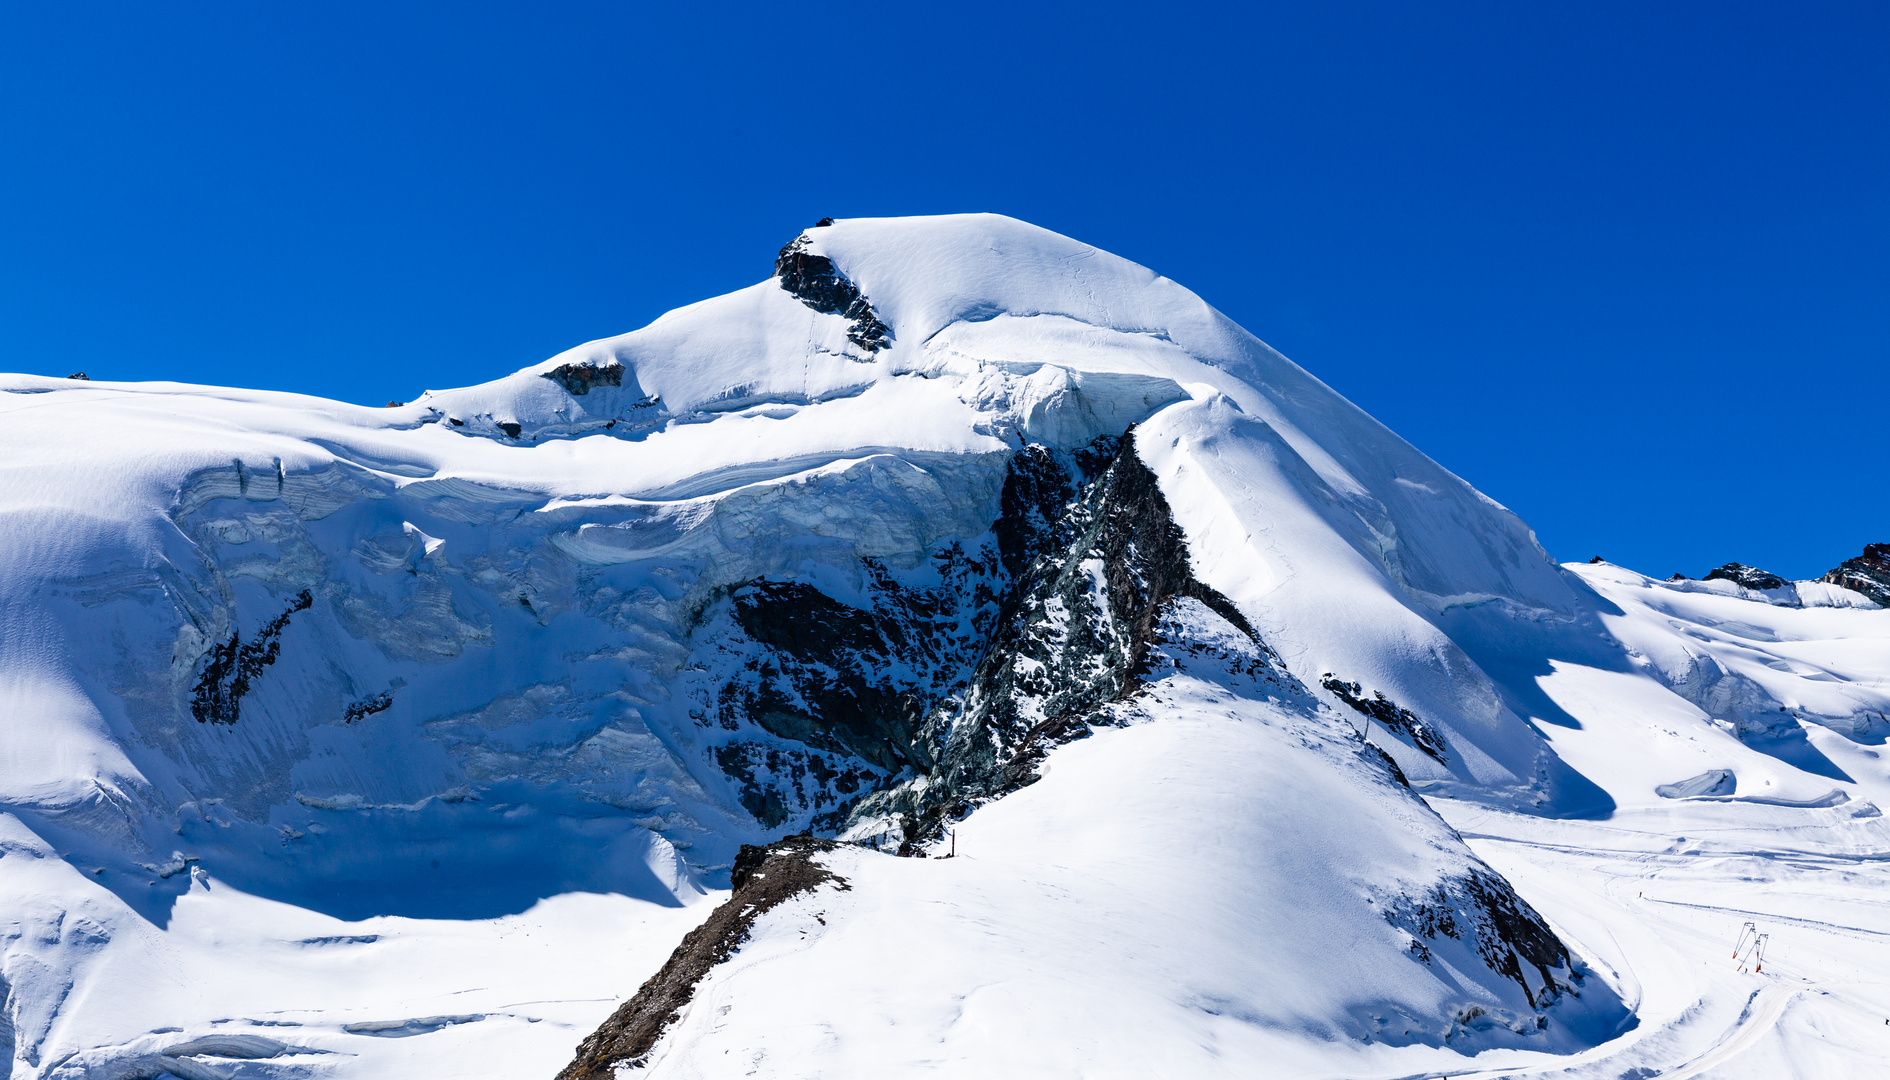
<point>1659,891</point>
<point>1664,926</point>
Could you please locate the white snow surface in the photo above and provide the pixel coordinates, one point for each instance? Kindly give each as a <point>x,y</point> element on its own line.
<point>466,877</point>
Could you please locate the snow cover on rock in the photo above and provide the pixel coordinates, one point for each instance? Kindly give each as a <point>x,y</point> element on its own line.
<point>364,742</point>
<point>1219,879</point>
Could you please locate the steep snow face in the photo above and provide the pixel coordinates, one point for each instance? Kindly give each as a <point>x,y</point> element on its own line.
<point>786,558</point>
<point>1022,335</point>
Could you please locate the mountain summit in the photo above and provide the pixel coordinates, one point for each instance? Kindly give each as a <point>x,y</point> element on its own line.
<point>957,540</point>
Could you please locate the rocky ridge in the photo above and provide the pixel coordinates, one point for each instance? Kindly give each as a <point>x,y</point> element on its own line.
<point>817,282</point>
<point>945,692</point>
<point>763,879</point>
<point>1869,574</point>
<point>1748,577</point>
<point>1089,593</point>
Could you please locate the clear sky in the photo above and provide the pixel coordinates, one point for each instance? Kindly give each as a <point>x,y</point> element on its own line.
<point>1622,266</point>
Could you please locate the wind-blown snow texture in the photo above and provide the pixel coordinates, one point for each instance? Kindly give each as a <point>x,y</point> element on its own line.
<point>352,742</point>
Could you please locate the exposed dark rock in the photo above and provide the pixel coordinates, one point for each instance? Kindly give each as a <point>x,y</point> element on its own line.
<point>823,223</point>
<point>368,706</point>
<point>511,430</point>
<point>1501,926</point>
<point>1869,574</point>
<point>81,376</point>
<point>1596,559</point>
<point>1390,763</point>
<point>830,654</point>
<point>816,282</point>
<point>1748,577</point>
<point>849,685</point>
<point>578,379</point>
<point>1077,624</point>
<point>1021,769</point>
<point>972,682</point>
<point>1006,657</point>
<point>776,781</point>
<point>740,761</point>
<point>763,879</point>
<point>393,405</point>
<point>231,667</point>
<point>1390,714</point>
<point>1039,489</point>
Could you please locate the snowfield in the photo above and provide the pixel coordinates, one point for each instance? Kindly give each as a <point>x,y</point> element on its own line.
<point>356,743</point>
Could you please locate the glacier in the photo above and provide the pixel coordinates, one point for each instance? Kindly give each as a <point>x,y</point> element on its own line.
<point>363,742</point>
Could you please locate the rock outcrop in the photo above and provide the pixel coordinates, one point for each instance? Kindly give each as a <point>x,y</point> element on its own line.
<point>1393,716</point>
<point>1095,554</point>
<point>1746,577</point>
<point>1868,574</point>
<point>917,700</point>
<point>578,379</point>
<point>763,879</point>
<point>229,668</point>
<point>1481,913</point>
<point>816,282</point>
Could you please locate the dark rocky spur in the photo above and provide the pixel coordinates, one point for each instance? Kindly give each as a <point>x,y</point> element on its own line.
<point>1747,577</point>
<point>1869,574</point>
<point>764,878</point>
<point>816,282</point>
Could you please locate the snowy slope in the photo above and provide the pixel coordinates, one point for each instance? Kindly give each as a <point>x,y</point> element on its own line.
<point>301,698</point>
<point>1231,912</point>
<point>1740,737</point>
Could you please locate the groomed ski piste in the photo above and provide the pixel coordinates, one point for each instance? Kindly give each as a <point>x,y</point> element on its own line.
<point>358,743</point>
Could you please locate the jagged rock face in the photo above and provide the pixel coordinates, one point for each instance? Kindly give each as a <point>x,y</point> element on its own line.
<point>862,680</point>
<point>229,668</point>
<point>1018,645</point>
<point>578,379</point>
<point>1748,577</point>
<point>1092,577</point>
<point>1393,716</point>
<point>1869,574</point>
<point>999,663</point>
<point>1481,913</point>
<point>816,282</point>
<point>846,685</point>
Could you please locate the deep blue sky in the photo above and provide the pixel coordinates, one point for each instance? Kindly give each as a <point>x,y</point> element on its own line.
<point>1623,267</point>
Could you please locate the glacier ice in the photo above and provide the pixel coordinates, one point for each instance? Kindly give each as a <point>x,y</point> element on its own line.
<point>527,656</point>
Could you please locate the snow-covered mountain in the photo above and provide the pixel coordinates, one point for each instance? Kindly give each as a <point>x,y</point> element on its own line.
<point>412,741</point>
